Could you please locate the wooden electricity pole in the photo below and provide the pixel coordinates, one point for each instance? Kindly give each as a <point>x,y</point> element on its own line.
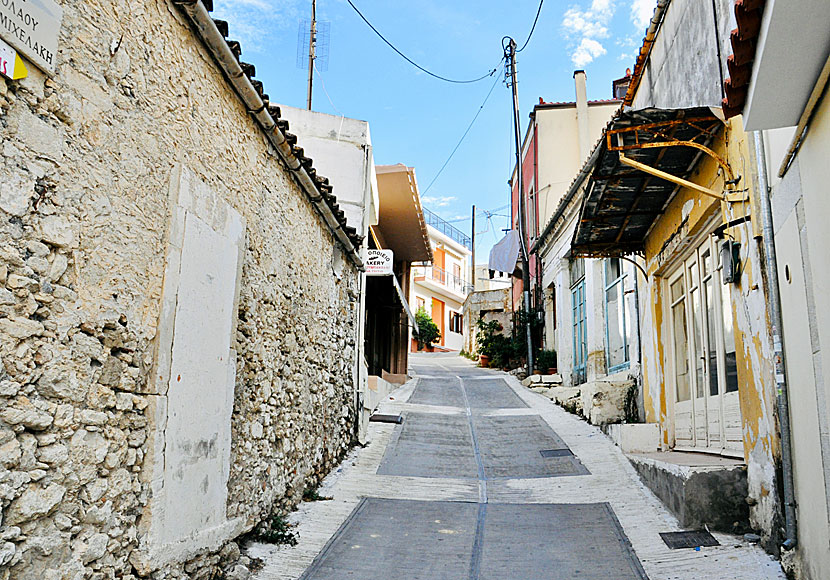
<point>510,72</point>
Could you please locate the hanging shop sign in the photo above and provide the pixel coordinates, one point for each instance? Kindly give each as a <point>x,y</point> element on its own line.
<point>11,65</point>
<point>32,27</point>
<point>379,263</point>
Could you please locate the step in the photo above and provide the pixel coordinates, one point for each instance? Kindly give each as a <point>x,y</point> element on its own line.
<point>700,490</point>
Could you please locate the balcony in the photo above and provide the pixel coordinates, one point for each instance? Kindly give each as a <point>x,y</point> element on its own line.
<point>444,280</point>
<point>448,229</point>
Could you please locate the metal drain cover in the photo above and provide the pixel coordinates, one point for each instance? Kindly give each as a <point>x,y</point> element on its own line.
<point>556,452</point>
<point>689,539</point>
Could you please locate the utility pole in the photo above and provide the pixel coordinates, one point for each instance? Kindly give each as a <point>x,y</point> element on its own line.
<point>510,73</point>
<point>473,249</point>
<point>312,46</point>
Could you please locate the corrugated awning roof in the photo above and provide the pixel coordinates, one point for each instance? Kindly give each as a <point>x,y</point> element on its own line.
<point>621,203</point>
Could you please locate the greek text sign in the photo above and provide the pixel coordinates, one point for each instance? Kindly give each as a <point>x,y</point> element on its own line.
<point>11,65</point>
<point>379,263</point>
<point>32,27</point>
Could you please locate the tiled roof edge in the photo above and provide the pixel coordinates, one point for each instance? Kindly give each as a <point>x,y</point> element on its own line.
<point>744,40</point>
<point>322,189</point>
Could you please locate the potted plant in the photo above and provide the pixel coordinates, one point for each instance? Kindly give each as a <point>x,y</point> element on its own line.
<point>546,361</point>
<point>427,332</point>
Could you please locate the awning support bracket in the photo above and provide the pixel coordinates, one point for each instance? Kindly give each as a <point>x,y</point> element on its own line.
<point>669,177</point>
<point>669,142</point>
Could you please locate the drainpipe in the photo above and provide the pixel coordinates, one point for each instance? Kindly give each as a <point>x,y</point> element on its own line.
<point>214,41</point>
<point>640,394</point>
<point>782,393</point>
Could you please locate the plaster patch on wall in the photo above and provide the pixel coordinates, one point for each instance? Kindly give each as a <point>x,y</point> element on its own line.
<point>196,370</point>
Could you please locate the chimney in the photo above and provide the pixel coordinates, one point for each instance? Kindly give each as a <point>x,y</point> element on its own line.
<point>582,114</point>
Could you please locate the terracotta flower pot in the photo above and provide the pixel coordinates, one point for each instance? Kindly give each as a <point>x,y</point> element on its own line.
<point>552,371</point>
<point>484,360</point>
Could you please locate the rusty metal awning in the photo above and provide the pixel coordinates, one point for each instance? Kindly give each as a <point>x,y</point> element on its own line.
<point>621,202</point>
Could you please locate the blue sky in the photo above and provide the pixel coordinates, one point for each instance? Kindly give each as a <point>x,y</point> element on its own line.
<point>416,119</point>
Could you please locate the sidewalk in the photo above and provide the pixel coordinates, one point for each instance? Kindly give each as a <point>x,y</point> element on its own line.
<point>611,480</point>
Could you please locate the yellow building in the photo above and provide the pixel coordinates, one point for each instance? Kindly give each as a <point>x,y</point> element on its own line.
<point>674,187</point>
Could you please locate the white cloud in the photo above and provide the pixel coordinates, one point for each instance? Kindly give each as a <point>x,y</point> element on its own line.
<point>438,201</point>
<point>586,28</point>
<point>249,21</point>
<point>641,12</point>
<point>587,51</point>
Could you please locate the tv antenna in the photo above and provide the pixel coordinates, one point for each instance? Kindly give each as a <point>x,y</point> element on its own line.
<point>313,47</point>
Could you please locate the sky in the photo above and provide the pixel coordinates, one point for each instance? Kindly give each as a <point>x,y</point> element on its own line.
<point>418,120</point>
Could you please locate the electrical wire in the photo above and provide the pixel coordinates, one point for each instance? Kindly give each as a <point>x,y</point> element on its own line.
<point>533,28</point>
<point>323,83</point>
<point>412,62</point>
<point>460,141</point>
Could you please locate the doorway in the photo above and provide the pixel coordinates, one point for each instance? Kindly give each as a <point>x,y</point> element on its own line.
<point>704,375</point>
<point>438,318</point>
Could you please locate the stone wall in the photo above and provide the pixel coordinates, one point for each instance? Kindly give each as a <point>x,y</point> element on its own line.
<point>489,304</point>
<point>90,160</point>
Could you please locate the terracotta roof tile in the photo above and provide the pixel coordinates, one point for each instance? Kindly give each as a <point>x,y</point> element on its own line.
<point>748,15</point>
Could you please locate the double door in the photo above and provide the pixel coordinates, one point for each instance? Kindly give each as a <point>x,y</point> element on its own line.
<point>707,414</point>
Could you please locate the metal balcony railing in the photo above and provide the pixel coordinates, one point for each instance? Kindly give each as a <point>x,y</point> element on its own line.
<point>448,229</point>
<point>444,278</point>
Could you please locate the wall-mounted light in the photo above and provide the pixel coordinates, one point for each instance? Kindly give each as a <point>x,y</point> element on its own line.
<point>730,254</point>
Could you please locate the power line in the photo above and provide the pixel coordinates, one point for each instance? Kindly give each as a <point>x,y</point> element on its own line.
<point>412,62</point>
<point>533,28</point>
<point>460,141</point>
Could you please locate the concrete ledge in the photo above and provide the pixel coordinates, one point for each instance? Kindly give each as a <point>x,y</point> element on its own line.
<point>537,380</point>
<point>396,379</point>
<point>635,437</point>
<point>700,490</point>
<point>377,390</point>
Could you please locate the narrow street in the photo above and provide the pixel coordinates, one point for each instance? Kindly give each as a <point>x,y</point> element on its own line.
<point>485,479</point>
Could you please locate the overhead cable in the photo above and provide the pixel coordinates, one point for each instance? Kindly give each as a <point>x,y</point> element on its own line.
<point>460,141</point>
<point>412,62</point>
<point>532,28</point>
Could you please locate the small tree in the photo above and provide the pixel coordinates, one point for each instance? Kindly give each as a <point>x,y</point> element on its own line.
<point>427,332</point>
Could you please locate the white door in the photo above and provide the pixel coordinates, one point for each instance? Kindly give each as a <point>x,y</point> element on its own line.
<point>706,411</point>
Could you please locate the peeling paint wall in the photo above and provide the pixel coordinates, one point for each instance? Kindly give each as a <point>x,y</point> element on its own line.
<point>87,252</point>
<point>683,69</point>
<point>689,219</point>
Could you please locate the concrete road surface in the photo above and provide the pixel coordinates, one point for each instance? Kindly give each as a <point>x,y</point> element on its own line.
<point>487,480</point>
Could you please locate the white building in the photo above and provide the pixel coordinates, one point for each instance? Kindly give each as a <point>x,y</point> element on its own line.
<point>441,287</point>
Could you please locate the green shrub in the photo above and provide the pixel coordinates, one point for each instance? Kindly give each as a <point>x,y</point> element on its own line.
<point>428,332</point>
<point>275,530</point>
<point>546,359</point>
<point>492,343</point>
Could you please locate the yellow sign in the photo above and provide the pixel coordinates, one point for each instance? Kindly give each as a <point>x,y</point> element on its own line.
<point>11,65</point>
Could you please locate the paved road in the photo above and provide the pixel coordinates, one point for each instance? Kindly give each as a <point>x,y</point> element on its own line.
<point>485,480</point>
